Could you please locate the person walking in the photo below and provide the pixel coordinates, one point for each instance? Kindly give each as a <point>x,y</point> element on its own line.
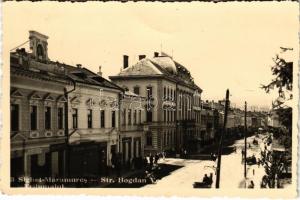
<point>151,160</point>
<point>156,158</point>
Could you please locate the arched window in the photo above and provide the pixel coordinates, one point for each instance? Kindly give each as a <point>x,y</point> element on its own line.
<point>40,51</point>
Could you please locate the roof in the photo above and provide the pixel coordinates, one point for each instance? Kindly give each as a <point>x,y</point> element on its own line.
<point>84,75</point>
<point>42,75</point>
<point>50,70</point>
<point>161,66</point>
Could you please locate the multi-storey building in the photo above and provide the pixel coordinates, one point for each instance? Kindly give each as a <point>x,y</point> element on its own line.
<point>38,111</point>
<point>64,119</point>
<point>132,117</point>
<point>93,116</point>
<point>173,100</point>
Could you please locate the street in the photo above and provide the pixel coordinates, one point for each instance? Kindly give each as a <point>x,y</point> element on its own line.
<point>232,170</point>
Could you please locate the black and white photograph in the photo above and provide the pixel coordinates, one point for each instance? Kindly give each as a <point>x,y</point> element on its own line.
<point>166,97</point>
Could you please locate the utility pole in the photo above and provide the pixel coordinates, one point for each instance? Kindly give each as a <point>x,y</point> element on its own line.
<point>221,140</point>
<point>245,152</point>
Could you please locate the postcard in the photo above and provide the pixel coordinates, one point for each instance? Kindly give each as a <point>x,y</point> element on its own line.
<point>150,98</point>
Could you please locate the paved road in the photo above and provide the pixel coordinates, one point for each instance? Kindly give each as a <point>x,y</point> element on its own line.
<point>232,170</point>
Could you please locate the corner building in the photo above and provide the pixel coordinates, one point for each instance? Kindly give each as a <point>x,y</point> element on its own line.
<point>172,112</point>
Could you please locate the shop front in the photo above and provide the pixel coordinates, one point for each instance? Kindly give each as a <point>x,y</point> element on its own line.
<point>88,159</point>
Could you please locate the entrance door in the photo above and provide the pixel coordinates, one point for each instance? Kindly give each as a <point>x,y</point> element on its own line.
<point>41,165</point>
<point>16,171</point>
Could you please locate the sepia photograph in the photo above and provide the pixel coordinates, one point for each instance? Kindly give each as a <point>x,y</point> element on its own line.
<point>167,97</point>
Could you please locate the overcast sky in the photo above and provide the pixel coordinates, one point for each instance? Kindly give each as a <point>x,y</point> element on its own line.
<point>224,45</point>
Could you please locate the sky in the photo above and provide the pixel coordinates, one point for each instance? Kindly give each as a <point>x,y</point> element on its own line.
<point>224,45</point>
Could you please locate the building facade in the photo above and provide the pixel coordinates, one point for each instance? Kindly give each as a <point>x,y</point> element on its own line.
<point>64,119</point>
<point>173,101</point>
<point>37,100</point>
<point>93,116</point>
<point>132,118</point>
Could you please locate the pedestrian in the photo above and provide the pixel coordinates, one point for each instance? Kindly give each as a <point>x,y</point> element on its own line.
<point>151,160</point>
<point>205,179</point>
<point>253,170</point>
<point>251,185</point>
<point>156,158</point>
<point>211,178</point>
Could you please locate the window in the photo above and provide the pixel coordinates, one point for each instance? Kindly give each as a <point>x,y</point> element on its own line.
<point>149,92</point>
<point>33,118</point>
<point>113,119</point>
<point>134,117</point>
<point>60,118</point>
<point>75,118</point>
<point>140,116</point>
<point>168,94</point>
<point>102,119</point>
<point>174,95</point>
<point>165,115</point>
<point>14,117</point>
<point>165,94</point>
<point>124,117</point>
<point>40,52</point>
<point>136,90</point>
<point>149,139</point>
<point>129,116</point>
<point>47,117</point>
<point>90,118</point>
<point>149,116</point>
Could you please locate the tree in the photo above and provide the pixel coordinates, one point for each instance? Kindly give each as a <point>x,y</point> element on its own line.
<point>283,82</point>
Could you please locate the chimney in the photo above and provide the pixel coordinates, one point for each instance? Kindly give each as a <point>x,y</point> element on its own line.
<point>100,72</point>
<point>78,65</point>
<point>142,57</point>
<point>125,61</point>
<point>156,54</point>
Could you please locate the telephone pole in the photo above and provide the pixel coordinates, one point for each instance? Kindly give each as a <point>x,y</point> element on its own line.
<point>221,140</point>
<point>245,152</point>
